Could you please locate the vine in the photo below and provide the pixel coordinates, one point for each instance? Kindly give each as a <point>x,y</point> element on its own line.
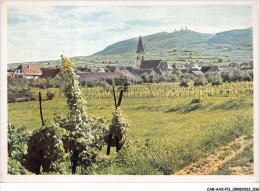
<point>84,134</point>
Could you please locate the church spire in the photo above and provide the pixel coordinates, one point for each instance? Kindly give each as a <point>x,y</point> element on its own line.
<point>139,53</point>
<point>140,48</point>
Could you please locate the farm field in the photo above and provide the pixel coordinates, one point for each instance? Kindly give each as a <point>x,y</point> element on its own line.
<point>167,131</point>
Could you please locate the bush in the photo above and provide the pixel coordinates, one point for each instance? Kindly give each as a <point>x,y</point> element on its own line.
<point>105,85</point>
<point>215,79</point>
<point>118,128</point>
<point>17,142</point>
<point>184,83</point>
<point>173,78</point>
<point>196,100</point>
<point>226,77</point>
<point>137,80</point>
<point>50,95</point>
<point>192,107</point>
<point>46,142</point>
<point>161,78</point>
<point>123,82</point>
<point>152,78</point>
<point>200,81</point>
<point>15,168</point>
<point>145,78</point>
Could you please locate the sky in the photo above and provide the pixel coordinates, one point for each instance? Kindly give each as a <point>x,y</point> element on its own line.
<point>45,32</point>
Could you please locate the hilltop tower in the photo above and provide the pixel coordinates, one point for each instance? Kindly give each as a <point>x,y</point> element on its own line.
<point>139,53</point>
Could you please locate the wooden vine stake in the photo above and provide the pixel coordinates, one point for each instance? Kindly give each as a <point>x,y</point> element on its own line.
<point>41,152</point>
<point>110,135</point>
<point>40,101</point>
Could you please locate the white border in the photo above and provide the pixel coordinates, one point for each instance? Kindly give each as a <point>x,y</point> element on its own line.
<point>125,178</point>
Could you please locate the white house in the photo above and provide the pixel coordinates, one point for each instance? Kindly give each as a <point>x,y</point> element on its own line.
<point>27,71</point>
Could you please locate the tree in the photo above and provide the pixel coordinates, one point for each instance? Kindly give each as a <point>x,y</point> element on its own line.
<point>145,78</point>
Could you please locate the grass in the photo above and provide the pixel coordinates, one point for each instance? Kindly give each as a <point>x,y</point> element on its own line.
<point>241,163</point>
<point>166,134</point>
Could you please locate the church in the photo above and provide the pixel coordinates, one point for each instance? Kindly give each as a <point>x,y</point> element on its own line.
<point>158,66</point>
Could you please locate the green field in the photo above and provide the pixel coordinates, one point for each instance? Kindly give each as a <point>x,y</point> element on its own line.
<point>167,132</point>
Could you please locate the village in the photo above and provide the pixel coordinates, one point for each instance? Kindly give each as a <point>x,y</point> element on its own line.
<point>141,67</point>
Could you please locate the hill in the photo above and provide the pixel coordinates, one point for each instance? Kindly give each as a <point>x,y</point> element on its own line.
<point>163,41</point>
<point>239,37</point>
<point>157,42</point>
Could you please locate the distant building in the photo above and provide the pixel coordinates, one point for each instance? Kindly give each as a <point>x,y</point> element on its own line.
<point>234,65</point>
<point>50,72</point>
<point>139,53</point>
<point>180,67</point>
<point>27,71</point>
<point>225,69</point>
<point>9,74</point>
<point>158,66</point>
<point>87,76</point>
<point>208,69</point>
<point>246,66</point>
<point>96,70</point>
<point>140,72</point>
<point>197,73</point>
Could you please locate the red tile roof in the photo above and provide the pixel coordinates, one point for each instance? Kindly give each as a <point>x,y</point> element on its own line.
<point>124,72</point>
<point>180,66</point>
<point>10,74</point>
<point>226,69</point>
<point>30,70</point>
<point>197,73</point>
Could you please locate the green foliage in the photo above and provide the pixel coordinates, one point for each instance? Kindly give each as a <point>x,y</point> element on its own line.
<point>48,140</point>
<point>145,78</point>
<point>215,79</point>
<point>200,81</point>
<point>21,89</point>
<point>17,142</point>
<point>50,95</point>
<point>233,104</point>
<point>175,139</point>
<point>196,100</point>
<point>152,78</point>
<point>118,128</point>
<point>123,83</point>
<point>244,159</point>
<point>192,107</point>
<point>15,168</point>
<point>184,83</point>
<point>84,133</point>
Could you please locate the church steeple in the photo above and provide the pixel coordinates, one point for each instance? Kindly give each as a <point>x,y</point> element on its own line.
<point>140,48</point>
<point>139,53</point>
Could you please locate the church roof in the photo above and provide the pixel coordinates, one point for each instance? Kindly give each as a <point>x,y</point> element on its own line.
<point>140,48</point>
<point>165,65</point>
<point>150,64</point>
<point>139,72</point>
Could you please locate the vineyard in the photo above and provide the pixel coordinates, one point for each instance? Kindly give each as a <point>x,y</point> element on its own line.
<point>147,129</point>
<point>189,123</point>
<point>173,90</point>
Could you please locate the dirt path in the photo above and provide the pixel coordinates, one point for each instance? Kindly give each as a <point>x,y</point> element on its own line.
<point>210,164</point>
